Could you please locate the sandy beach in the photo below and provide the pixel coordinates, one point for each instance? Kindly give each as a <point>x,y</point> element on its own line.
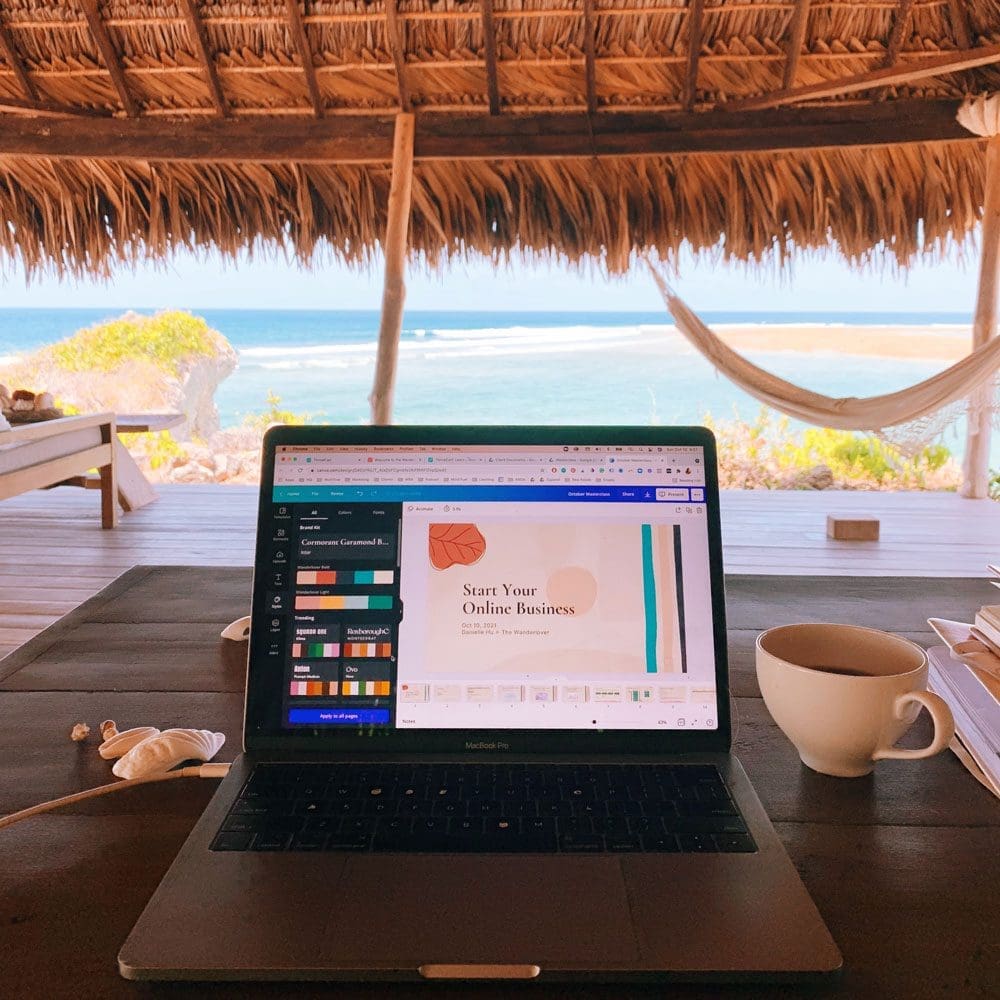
<point>938,343</point>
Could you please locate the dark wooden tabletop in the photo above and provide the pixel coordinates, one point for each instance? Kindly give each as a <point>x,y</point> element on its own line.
<point>904,864</point>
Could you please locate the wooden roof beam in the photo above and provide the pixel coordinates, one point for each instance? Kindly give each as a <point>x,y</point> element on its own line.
<point>696,11</point>
<point>396,41</point>
<point>45,109</point>
<point>589,59</point>
<point>297,29</point>
<point>948,62</point>
<point>112,61</point>
<point>796,40</point>
<point>958,13</point>
<point>900,25</point>
<point>13,58</point>
<point>490,56</point>
<point>199,38</point>
<point>356,139</point>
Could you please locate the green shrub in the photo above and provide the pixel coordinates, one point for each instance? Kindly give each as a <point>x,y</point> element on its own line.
<point>164,339</point>
<point>273,415</point>
<point>160,448</point>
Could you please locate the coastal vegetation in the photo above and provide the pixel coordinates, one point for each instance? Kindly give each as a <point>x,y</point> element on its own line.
<point>167,339</point>
<point>766,453</point>
<point>168,362</point>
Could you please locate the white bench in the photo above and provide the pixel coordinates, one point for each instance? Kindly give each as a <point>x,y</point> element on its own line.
<point>34,456</point>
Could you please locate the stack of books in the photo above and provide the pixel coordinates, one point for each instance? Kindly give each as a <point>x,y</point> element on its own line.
<point>987,627</point>
<point>966,674</point>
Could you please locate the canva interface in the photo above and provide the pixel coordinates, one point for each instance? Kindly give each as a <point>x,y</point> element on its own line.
<point>481,587</point>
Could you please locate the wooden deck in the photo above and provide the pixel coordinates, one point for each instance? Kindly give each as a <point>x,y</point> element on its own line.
<point>55,554</point>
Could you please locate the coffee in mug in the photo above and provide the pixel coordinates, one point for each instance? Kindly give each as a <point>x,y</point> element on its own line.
<point>844,694</point>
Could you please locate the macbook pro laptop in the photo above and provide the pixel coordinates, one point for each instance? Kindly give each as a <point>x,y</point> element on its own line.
<point>487,729</point>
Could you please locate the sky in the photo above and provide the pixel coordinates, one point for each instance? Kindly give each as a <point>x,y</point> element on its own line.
<point>190,282</point>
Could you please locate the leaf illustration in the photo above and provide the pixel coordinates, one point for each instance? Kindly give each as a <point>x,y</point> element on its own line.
<point>451,544</point>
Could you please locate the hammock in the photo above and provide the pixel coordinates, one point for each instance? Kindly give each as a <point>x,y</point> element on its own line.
<point>849,413</point>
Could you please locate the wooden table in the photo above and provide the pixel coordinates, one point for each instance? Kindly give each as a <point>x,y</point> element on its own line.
<point>904,864</point>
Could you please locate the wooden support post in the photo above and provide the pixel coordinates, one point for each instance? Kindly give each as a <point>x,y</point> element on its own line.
<point>395,37</point>
<point>394,288</point>
<point>984,327</point>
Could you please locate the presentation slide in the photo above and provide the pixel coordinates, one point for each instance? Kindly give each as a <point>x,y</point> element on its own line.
<point>572,598</point>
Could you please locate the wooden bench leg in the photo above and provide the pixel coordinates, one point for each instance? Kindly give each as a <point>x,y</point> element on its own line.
<point>109,482</point>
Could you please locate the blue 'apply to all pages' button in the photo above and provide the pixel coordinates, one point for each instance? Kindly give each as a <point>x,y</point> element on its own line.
<point>338,716</point>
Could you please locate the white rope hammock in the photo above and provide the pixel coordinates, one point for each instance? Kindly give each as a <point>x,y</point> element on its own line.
<point>850,413</point>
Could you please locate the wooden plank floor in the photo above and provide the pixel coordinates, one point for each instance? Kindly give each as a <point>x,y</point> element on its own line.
<point>55,555</point>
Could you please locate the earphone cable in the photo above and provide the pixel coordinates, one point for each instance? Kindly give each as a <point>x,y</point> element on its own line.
<point>199,771</point>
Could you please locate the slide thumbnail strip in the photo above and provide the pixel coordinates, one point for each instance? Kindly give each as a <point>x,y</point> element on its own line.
<point>367,649</point>
<point>365,687</point>
<point>312,688</point>
<point>327,576</point>
<point>315,650</point>
<point>343,602</point>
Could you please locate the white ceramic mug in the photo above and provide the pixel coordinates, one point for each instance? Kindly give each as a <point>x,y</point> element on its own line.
<point>844,694</point>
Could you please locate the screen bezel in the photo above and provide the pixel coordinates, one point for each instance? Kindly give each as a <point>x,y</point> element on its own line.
<point>258,737</point>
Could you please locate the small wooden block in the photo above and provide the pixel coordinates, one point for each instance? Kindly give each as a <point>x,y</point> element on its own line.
<point>852,529</point>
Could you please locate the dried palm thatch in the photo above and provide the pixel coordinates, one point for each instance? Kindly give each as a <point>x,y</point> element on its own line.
<point>198,70</point>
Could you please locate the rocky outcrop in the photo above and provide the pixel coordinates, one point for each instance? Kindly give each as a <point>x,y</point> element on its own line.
<point>183,382</point>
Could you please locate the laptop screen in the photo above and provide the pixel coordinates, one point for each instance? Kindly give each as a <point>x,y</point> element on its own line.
<point>485,587</point>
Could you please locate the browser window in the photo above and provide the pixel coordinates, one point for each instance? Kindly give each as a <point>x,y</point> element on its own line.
<point>528,587</point>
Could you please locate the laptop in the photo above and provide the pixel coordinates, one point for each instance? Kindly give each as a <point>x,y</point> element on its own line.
<point>487,729</point>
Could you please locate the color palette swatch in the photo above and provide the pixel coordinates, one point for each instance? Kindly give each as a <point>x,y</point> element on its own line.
<point>315,650</point>
<point>367,649</point>
<point>368,688</point>
<point>343,602</point>
<point>340,576</point>
<point>312,688</point>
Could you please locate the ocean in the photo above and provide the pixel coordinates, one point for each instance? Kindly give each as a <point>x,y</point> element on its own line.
<point>511,367</point>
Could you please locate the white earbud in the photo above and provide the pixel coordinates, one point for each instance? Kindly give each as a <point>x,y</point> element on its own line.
<point>237,630</point>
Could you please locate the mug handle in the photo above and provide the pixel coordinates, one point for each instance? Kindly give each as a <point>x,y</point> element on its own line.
<point>944,726</point>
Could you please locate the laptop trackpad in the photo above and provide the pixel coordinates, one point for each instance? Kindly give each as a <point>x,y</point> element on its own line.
<point>482,908</point>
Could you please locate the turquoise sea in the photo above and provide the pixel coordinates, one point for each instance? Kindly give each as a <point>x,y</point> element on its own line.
<point>508,367</point>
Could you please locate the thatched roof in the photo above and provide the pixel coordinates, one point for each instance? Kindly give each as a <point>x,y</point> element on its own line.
<point>589,128</point>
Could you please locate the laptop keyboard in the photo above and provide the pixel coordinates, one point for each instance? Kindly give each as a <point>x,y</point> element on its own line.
<point>484,808</point>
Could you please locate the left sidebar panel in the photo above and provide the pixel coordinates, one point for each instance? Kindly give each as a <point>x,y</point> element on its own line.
<point>333,598</point>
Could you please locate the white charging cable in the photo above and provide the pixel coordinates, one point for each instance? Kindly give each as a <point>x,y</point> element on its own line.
<point>142,755</point>
<point>195,771</point>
